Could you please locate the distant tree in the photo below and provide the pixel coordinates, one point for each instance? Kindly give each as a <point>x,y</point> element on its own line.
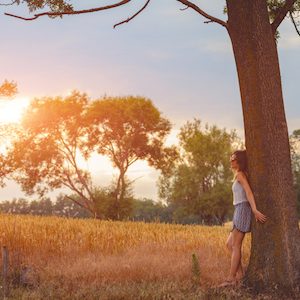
<point>147,210</point>
<point>15,206</point>
<point>200,186</point>
<point>107,205</point>
<point>64,207</point>
<point>46,149</point>
<point>58,134</point>
<point>41,207</point>
<point>23,206</point>
<point>128,129</point>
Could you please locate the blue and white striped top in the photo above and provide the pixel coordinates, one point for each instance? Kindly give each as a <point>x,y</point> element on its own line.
<point>239,194</point>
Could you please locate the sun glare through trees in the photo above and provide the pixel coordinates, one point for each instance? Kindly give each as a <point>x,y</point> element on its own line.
<point>11,110</point>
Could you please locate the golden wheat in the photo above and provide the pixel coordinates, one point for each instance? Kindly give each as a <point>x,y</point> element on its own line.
<point>55,234</point>
<point>84,252</point>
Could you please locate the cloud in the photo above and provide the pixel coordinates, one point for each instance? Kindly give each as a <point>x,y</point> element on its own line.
<point>290,41</point>
<point>293,124</point>
<point>216,46</point>
<point>159,55</point>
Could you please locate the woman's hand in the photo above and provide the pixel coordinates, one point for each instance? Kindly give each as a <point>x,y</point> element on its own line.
<point>259,216</point>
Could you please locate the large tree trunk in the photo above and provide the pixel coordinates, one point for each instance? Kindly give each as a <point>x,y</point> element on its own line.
<point>275,252</point>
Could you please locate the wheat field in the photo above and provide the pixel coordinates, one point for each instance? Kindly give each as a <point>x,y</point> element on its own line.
<point>60,258</point>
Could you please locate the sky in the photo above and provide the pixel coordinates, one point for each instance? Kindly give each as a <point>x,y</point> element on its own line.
<point>166,54</point>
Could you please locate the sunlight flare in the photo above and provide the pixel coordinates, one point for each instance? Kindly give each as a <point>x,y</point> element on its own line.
<point>11,111</point>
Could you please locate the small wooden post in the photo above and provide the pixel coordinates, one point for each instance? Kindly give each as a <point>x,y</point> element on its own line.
<point>5,271</point>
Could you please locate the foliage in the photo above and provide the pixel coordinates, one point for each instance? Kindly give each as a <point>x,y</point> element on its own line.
<point>106,206</point>
<point>147,210</point>
<point>44,153</point>
<point>8,89</point>
<point>200,184</point>
<point>58,135</point>
<point>55,6</point>
<point>62,207</point>
<point>126,130</point>
<point>275,5</point>
<point>295,158</point>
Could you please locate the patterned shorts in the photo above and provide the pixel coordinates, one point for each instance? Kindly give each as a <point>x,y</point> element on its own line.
<point>242,217</point>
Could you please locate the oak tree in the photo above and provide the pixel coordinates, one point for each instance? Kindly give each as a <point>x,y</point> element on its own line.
<point>57,135</point>
<point>128,129</point>
<point>45,152</point>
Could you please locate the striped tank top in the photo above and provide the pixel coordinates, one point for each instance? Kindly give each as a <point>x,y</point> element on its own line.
<point>239,194</point>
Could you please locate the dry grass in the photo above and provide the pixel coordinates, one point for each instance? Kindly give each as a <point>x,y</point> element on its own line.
<point>94,259</point>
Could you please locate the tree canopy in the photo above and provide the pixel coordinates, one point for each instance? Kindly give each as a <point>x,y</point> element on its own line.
<point>57,136</point>
<point>127,129</point>
<point>44,152</point>
<point>200,183</point>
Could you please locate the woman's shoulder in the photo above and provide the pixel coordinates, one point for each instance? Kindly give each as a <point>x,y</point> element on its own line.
<point>240,175</point>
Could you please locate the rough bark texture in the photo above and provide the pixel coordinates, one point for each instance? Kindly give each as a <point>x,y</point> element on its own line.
<point>275,253</point>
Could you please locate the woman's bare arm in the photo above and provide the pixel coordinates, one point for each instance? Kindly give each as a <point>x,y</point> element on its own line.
<point>250,197</point>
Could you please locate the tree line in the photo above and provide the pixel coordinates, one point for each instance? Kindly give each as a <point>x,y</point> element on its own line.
<point>145,210</point>
<point>48,149</point>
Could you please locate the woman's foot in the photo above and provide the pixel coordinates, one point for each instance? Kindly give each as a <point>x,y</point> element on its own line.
<point>228,282</point>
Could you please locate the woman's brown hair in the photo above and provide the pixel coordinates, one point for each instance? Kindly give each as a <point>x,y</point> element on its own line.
<point>241,158</point>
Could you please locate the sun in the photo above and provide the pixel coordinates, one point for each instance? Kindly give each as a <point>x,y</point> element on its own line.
<point>11,111</point>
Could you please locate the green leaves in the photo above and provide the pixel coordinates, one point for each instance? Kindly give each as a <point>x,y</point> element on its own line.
<point>201,180</point>
<point>53,5</point>
<point>127,129</point>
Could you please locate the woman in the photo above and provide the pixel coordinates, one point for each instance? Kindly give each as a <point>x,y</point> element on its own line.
<point>244,203</point>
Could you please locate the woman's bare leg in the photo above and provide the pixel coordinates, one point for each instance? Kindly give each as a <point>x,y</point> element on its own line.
<point>229,242</point>
<point>240,272</point>
<point>237,239</point>
<point>229,245</point>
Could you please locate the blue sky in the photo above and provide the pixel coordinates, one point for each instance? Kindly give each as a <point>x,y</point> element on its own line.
<point>170,56</point>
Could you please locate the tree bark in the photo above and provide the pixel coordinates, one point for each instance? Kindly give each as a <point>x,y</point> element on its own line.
<point>120,191</point>
<point>275,252</point>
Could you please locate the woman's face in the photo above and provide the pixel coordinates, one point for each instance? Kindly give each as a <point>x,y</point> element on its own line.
<point>233,162</point>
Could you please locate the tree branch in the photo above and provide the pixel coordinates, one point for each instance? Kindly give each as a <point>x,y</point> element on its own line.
<point>71,185</point>
<point>74,12</point>
<point>133,16</point>
<point>185,8</point>
<point>203,13</point>
<point>78,203</point>
<point>9,4</point>
<point>282,12</point>
<point>294,23</point>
